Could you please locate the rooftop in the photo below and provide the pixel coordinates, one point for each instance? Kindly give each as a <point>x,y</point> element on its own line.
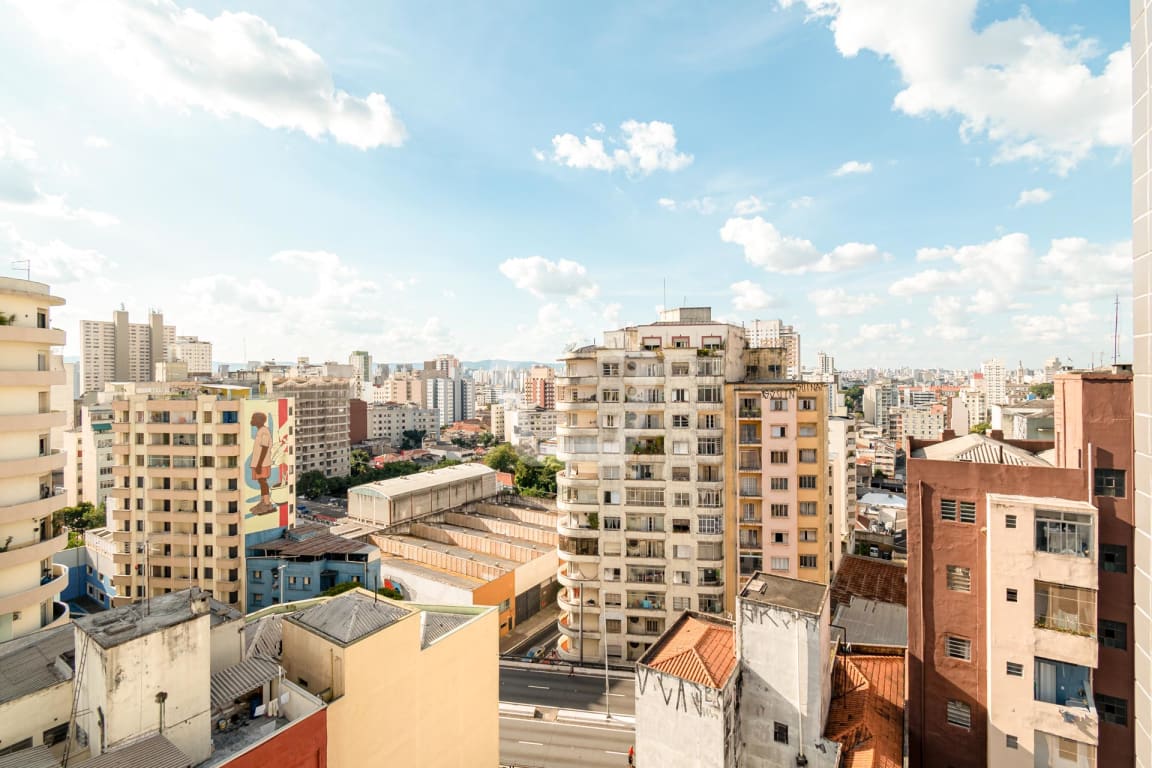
<point>785,592</point>
<point>979,449</point>
<point>262,636</point>
<point>312,540</point>
<point>867,711</point>
<point>152,752</point>
<point>870,578</point>
<point>350,617</point>
<point>492,561</point>
<point>235,681</point>
<point>120,625</point>
<point>869,622</point>
<point>36,661</point>
<point>32,757</point>
<point>879,499</point>
<point>697,648</point>
<point>422,481</point>
<point>431,572</point>
<point>435,624</point>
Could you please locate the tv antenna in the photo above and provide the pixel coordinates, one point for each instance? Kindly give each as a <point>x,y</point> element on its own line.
<point>1116,333</point>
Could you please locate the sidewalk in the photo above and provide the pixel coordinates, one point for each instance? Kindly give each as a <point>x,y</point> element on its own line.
<point>532,626</point>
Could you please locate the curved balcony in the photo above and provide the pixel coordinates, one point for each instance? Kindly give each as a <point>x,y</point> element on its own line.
<point>60,615</point>
<point>37,379</point>
<point>578,479</point>
<point>28,599</point>
<point>590,605</point>
<point>37,465</point>
<point>33,552</point>
<point>32,422</point>
<point>567,625</point>
<point>581,454</point>
<point>25,334</point>
<point>577,581</point>
<point>572,526</point>
<point>34,509</point>
<point>571,557</point>
<point>579,404</point>
<point>573,381</point>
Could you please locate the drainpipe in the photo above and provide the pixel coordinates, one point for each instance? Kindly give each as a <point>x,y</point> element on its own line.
<point>1091,479</point>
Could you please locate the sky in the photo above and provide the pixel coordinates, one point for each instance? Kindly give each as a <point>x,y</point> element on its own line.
<point>907,183</point>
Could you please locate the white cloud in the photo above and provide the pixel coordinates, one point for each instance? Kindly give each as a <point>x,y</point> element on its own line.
<point>20,188</point>
<point>749,296</point>
<point>838,302</point>
<point>749,206</point>
<point>1088,270</point>
<point>96,142</point>
<point>1033,197</point>
<point>804,201</point>
<point>1003,264</point>
<point>949,314</point>
<point>647,147</point>
<point>543,278</point>
<point>1071,322</point>
<point>232,64</point>
<point>851,167</point>
<point>766,247</point>
<point>886,332</point>
<point>598,127</point>
<point>702,205</point>
<point>55,262</point>
<point>1025,88</point>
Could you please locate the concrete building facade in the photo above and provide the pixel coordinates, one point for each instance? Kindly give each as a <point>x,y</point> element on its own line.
<point>323,427</point>
<point>760,334</point>
<point>123,351</point>
<point>196,354</point>
<point>29,581</point>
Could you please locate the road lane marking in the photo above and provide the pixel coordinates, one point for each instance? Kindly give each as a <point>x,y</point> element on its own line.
<point>610,752</point>
<point>616,694</point>
<point>545,724</point>
<point>543,687</point>
<point>537,744</point>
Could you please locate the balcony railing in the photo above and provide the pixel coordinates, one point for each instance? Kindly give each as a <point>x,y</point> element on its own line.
<point>750,413</point>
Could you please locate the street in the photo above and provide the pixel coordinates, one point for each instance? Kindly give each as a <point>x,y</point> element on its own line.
<point>551,686</point>
<point>526,743</point>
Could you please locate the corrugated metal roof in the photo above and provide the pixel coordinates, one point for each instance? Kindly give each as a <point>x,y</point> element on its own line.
<point>871,578</point>
<point>33,757</point>
<point>700,650</point>
<point>868,622</point>
<point>423,481</point>
<point>263,636</point>
<point>153,752</point>
<point>436,625</point>
<point>239,679</point>
<point>979,449</point>
<point>349,617</point>
<point>29,664</point>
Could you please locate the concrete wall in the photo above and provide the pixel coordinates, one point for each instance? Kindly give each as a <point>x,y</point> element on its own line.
<point>680,724</point>
<point>303,744</point>
<point>30,716</point>
<point>421,588</point>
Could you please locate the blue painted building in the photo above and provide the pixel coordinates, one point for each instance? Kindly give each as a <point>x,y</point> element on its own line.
<point>288,564</point>
<point>90,570</point>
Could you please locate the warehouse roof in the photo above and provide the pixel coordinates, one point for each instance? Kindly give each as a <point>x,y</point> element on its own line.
<point>422,481</point>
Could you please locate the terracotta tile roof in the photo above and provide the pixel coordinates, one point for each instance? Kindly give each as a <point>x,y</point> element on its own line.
<point>867,711</point>
<point>696,649</point>
<point>870,578</point>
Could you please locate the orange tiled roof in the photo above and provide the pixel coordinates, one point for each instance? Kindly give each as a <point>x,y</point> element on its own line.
<point>697,650</point>
<point>871,579</point>
<point>867,711</point>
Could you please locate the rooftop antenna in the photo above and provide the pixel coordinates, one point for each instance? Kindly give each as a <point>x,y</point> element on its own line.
<point>1116,333</point>
<point>665,293</point>
<point>24,264</point>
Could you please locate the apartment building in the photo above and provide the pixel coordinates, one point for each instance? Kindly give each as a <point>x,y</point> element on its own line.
<point>778,489</point>
<point>88,467</point>
<point>1019,591</point>
<point>995,381</point>
<point>30,584</point>
<point>923,422</point>
<point>389,421</point>
<point>123,351</point>
<point>361,362</point>
<point>641,498</point>
<point>526,428</point>
<point>761,334</point>
<point>878,399</point>
<point>186,493</point>
<point>401,387</point>
<point>323,428</point>
<point>454,398</point>
<point>540,387</point>
<point>195,353</point>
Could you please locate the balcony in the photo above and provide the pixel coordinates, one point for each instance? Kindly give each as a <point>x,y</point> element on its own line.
<point>32,379</point>
<point>646,576</point>
<point>578,479</point>
<point>35,509</point>
<point>750,413</point>
<point>650,602</point>
<point>576,379</point>
<point>1062,684</point>
<point>28,599</point>
<point>33,551</point>
<point>574,577</point>
<point>750,542</point>
<point>569,625</point>
<point>32,422</point>
<point>30,334</point>
<point>572,604</point>
<point>36,465</point>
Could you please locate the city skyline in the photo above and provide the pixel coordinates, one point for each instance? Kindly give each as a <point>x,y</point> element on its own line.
<point>376,182</point>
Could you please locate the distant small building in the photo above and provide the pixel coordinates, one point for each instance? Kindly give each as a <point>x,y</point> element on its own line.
<point>386,502</point>
<point>304,561</point>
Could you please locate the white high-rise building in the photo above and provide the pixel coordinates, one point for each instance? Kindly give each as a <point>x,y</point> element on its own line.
<point>361,363</point>
<point>825,363</point>
<point>774,333</point>
<point>30,584</point>
<point>995,381</point>
<point>196,353</point>
<point>123,351</point>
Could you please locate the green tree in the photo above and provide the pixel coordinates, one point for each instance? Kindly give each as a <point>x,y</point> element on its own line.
<point>527,475</point>
<point>312,484</point>
<point>878,473</point>
<point>81,517</point>
<point>854,398</point>
<point>411,438</point>
<point>981,428</point>
<point>502,458</point>
<point>340,588</point>
<point>486,439</point>
<point>1043,390</point>
<point>360,459</point>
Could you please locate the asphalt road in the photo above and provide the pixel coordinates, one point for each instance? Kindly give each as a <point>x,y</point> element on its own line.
<point>528,743</point>
<point>553,687</point>
<point>547,636</point>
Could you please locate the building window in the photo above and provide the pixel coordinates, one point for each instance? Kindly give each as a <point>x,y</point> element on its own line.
<point>806,404</point>
<point>1011,742</point>
<point>780,733</point>
<point>1010,521</point>
<point>808,482</point>
<point>1063,533</point>
<point>613,626</point>
<point>1113,634</point>
<point>948,509</point>
<point>1112,710</point>
<point>807,455</point>
<point>681,499</point>
<point>777,404</point>
<point>807,509</point>
<point>779,510</point>
<point>1015,669</point>
<point>778,457</point>
<point>1012,595</point>
<point>968,512</point>
<point>1109,482</point>
<point>709,446</point>
<point>778,483</point>
<point>779,537</point>
<point>808,561</point>
<point>1058,682</point>
<point>681,603</point>
<point>1066,609</point>
<point>959,714</point>
<point>808,534</point>
<point>709,394</point>
<point>711,524</point>
<point>958,648</point>
<point>778,431</point>
<point>680,421</point>
<point>779,563</point>
<point>959,578</point>
<point>257,597</point>
<point>1114,558</point>
<point>709,421</point>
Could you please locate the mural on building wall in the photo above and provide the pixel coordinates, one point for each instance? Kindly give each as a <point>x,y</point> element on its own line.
<point>267,501</point>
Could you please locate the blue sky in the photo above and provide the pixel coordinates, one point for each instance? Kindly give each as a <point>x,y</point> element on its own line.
<point>906,182</point>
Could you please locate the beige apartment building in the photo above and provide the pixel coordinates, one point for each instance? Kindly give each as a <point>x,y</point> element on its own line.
<point>29,582</point>
<point>123,351</point>
<point>185,494</point>
<point>778,492</point>
<point>323,428</point>
<point>641,498</point>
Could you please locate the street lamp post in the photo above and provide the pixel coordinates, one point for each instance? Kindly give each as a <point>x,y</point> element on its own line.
<point>607,703</point>
<point>280,576</point>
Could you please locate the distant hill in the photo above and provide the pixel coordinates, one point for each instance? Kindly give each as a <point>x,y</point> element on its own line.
<point>487,365</point>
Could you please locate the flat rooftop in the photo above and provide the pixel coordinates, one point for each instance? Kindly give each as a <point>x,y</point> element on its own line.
<point>121,625</point>
<point>785,592</point>
<point>431,572</point>
<point>36,661</point>
<point>539,549</point>
<point>423,481</point>
<point>870,622</point>
<point>451,549</point>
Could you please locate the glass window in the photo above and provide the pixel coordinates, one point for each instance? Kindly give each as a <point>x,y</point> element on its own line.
<point>780,732</point>
<point>1064,608</point>
<point>1109,482</point>
<point>1114,558</point>
<point>808,561</point>
<point>1113,634</point>
<point>1057,682</point>
<point>1064,533</point>
<point>959,578</point>
<point>1112,710</point>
